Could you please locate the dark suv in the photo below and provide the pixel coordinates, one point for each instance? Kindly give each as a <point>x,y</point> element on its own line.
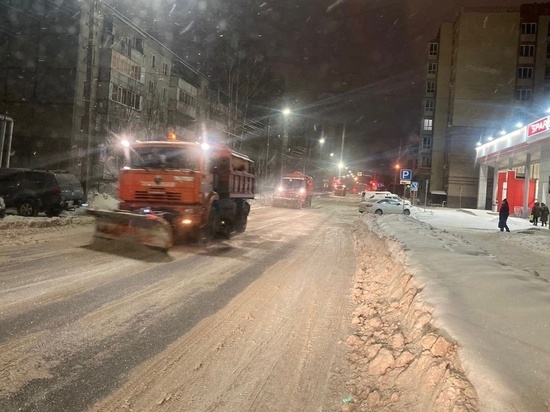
<point>32,191</point>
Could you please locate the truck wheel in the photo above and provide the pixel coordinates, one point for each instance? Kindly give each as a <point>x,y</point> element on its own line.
<point>27,208</point>
<point>241,227</point>
<point>243,209</point>
<point>209,230</point>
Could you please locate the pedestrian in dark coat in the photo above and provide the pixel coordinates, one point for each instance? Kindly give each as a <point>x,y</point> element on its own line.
<point>544,212</point>
<point>503,214</point>
<point>536,213</point>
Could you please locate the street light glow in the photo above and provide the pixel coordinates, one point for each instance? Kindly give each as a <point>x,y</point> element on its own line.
<point>322,140</point>
<point>286,111</point>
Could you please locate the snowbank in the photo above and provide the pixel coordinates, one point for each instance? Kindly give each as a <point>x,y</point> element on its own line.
<point>485,293</point>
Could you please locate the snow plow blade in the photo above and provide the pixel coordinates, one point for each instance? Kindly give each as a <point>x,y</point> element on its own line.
<point>287,203</point>
<point>149,230</point>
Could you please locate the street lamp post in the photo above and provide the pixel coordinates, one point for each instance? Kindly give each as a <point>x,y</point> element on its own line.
<point>395,176</point>
<point>267,149</point>
<point>286,114</point>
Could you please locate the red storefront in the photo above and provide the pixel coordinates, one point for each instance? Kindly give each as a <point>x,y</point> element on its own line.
<point>520,161</point>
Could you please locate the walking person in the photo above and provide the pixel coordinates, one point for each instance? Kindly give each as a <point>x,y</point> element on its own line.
<point>536,213</point>
<point>503,214</point>
<point>544,212</point>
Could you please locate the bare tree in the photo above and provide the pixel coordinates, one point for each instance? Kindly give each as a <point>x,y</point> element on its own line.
<point>242,74</point>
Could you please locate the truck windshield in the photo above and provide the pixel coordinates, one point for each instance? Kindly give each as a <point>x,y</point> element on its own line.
<point>293,183</point>
<point>161,157</point>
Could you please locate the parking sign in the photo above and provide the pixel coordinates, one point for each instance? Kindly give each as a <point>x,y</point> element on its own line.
<point>405,176</point>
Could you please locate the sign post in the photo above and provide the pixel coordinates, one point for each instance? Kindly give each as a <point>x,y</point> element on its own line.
<point>405,177</point>
<point>414,191</point>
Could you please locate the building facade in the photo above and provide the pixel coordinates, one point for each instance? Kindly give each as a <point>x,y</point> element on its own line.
<point>80,78</point>
<point>485,72</point>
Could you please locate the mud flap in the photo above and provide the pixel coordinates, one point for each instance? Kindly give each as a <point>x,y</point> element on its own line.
<point>149,230</point>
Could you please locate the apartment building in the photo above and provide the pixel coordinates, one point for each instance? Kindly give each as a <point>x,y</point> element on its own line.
<point>79,78</point>
<point>485,72</point>
<point>39,46</point>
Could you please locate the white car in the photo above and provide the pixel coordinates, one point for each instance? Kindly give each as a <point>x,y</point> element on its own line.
<point>384,206</point>
<point>372,196</point>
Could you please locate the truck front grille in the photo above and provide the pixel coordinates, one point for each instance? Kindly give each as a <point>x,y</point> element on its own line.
<point>145,196</point>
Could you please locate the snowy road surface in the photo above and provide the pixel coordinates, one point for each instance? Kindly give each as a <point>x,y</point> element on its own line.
<point>313,309</point>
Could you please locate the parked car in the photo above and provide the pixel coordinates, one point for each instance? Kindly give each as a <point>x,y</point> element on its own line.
<point>385,206</point>
<point>369,196</point>
<point>31,191</point>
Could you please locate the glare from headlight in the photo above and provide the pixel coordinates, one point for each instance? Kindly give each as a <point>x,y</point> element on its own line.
<point>186,221</point>
<point>280,188</point>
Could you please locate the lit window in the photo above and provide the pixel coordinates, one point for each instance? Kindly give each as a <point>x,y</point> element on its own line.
<point>427,124</point>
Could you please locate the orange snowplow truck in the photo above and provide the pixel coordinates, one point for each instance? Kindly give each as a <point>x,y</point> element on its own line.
<point>295,191</point>
<point>173,189</point>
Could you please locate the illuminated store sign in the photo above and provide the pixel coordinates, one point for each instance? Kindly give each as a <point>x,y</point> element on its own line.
<point>537,127</point>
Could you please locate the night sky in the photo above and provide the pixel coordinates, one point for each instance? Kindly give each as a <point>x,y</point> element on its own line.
<point>358,61</point>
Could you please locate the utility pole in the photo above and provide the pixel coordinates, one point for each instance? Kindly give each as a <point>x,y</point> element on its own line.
<point>88,106</point>
<point>267,149</point>
<point>342,149</point>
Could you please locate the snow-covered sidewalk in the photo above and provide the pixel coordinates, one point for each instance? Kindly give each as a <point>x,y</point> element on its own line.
<point>490,292</point>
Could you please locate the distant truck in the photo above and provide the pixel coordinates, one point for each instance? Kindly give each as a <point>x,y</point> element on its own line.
<point>172,189</point>
<point>294,191</point>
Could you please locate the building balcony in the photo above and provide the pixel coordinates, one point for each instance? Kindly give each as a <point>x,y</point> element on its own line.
<point>526,60</point>
<point>525,82</point>
<point>182,108</point>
